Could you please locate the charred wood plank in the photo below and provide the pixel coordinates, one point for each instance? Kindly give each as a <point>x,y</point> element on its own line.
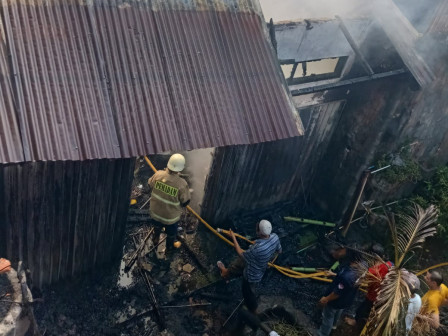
<point>137,252</point>
<point>192,253</point>
<point>348,82</point>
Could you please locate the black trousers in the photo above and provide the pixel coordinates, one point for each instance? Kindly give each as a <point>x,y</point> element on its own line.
<point>170,230</point>
<point>249,289</point>
<point>250,295</point>
<point>362,314</point>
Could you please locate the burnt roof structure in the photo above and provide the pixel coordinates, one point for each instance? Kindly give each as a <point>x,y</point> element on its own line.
<point>323,39</point>
<point>117,79</point>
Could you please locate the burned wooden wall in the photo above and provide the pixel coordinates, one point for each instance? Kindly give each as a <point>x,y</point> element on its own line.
<point>248,177</point>
<point>379,118</point>
<point>66,217</point>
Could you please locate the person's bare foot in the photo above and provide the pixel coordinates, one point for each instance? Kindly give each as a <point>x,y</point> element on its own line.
<point>350,321</point>
<point>223,270</point>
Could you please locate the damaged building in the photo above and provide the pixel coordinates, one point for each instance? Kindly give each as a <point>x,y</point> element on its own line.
<point>274,118</point>
<point>379,86</point>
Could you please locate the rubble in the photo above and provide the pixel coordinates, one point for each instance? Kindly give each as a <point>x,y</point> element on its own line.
<point>188,268</point>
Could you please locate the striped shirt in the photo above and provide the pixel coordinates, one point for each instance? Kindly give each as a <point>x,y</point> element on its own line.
<point>258,256</point>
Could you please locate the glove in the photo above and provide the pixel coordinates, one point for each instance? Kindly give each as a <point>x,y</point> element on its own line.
<point>273,333</point>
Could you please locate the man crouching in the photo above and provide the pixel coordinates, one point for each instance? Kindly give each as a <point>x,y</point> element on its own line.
<point>253,262</point>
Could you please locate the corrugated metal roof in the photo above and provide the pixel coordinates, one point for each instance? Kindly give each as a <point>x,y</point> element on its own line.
<point>11,149</point>
<point>124,78</point>
<point>324,40</point>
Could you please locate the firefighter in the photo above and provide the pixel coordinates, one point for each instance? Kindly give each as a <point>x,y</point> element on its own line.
<point>169,195</point>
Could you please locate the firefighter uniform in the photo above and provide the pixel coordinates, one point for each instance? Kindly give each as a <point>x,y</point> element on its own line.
<point>169,194</point>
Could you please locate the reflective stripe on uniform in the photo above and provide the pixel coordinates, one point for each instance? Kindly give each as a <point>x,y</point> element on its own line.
<point>164,200</point>
<point>175,219</point>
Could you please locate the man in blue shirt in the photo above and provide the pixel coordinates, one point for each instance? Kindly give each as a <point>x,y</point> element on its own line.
<point>340,294</point>
<point>254,262</point>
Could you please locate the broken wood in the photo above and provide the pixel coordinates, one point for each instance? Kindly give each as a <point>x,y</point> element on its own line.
<point>352,211</point>
<point>154,303</point>
<point>188,305</point>
<point>145,204</point>
<point>193,254</point>
<point>224,298</point>
<point>307,247</point>
<point>157,245</point>
<point>309,221</point>
<point>355,47</point>
<point>137,252</point>
<point>233,313</point>
<point>148,282</point>
<point>209,285</point>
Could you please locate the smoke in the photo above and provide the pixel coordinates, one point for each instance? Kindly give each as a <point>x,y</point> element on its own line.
<point>197,168</point>
<point>294,10</point>
<point>406,22</point>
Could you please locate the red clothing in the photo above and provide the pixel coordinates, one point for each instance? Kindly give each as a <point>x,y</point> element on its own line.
<point>378,271</point>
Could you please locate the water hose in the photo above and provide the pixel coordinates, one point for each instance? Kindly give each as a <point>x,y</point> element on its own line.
<point>432,267</point>
<point>227,232</point>
<point>285,271</point>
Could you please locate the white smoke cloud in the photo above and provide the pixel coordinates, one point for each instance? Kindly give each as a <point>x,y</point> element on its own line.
<point>294,10</point>
<point>197,168</point>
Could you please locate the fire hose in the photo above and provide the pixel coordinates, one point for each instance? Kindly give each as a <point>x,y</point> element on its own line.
<point>283,270</point>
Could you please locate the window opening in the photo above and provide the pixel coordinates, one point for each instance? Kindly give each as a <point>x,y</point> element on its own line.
<point>311,71</point>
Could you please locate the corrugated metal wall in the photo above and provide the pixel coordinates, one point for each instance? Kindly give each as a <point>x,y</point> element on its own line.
<point>64,218</point>
<point>285,167</point>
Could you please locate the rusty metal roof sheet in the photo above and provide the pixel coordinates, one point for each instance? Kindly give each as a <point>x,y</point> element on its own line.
<point>111,79</point>
<point>11,149</point>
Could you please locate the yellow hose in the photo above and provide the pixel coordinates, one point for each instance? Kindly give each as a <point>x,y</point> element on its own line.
<point>286,271</point>
<point>432,267</point>
<point>227,232</point>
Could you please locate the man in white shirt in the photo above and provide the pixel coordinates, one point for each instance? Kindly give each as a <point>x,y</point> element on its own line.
<point>415,302</point>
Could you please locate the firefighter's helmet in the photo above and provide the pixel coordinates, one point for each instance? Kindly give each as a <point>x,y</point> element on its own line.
<point>176,163</point>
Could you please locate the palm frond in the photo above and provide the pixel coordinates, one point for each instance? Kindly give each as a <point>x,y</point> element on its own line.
<point>393,230</point>
<point>388,312</point>
<point>361,269</point>
<point>387,316</point>
<point>414,229</point>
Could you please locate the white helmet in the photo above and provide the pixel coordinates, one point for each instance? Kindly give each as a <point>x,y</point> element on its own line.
<point>176,163</point>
